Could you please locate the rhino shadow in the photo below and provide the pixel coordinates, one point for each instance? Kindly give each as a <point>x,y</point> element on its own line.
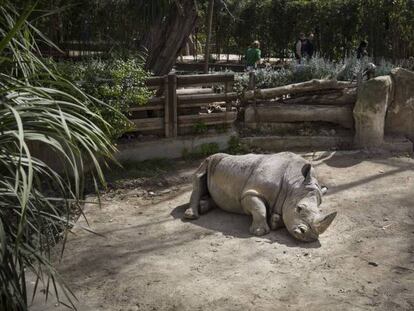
<point>237,226</point>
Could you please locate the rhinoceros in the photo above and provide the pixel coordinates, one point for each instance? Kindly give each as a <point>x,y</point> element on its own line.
<point>275,189</point>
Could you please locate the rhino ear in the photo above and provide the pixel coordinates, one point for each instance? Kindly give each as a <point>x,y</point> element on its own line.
<point>307,172</point>
<point>323,223</point>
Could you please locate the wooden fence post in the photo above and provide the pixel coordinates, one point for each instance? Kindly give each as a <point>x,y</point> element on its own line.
<point>252,87</point>
<point>252,80</point>
<point>172,103</point>
<point>166,108</point>
<point>228,88</point>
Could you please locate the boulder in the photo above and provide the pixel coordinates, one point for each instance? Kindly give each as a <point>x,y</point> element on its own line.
<point>400,115</point>
<point>373,98</point>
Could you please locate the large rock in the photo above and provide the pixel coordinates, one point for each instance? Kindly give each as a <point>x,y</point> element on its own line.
<point>373,98</point>
<point>400,115</point>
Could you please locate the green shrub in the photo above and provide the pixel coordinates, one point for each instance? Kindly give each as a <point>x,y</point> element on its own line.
<point>315,68</point>
<point>117,82</point>
<point>209,149</point>
<point>200,128</point>
<point>203,151</point>
<point>235,146</point>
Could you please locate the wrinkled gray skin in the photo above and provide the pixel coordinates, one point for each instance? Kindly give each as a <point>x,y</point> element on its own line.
<point>277,190</point>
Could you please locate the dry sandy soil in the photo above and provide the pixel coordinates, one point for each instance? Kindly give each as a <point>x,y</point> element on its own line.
<point>149,259</point>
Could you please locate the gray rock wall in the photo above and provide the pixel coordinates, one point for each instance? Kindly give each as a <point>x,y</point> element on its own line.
<point>400,114</point>
<point>373,98</point>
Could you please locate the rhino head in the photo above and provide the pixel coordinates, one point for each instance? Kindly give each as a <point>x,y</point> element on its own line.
<point>301,214</point>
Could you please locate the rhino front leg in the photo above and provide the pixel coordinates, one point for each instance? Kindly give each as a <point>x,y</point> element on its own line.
<point>276,222</point>
<point>199,191</point>
<point>257,208</point>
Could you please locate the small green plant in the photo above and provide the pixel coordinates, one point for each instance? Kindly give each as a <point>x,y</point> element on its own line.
<point>186,154</point>
<point>209,149</point>
<point>221,128</point>
<point>141,169</point>
<point>200,128</point>
<point>203,151</point>
<point>235,146</point>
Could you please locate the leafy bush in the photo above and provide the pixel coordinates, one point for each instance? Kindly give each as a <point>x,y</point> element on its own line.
<point>315,68</point>
<point>203,151</point>
<point>200,127</point>
<point>117,82</point>
<point>235,146</point>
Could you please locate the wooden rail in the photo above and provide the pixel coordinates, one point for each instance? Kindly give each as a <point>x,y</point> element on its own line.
<point>171,98</point>
<point>297,88</point>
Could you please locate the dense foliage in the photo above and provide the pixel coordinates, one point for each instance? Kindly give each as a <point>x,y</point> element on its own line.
<point>43,117</point>
<point>117,82</point>
<point>315,68</point>
<point>119,23</point>
<point>339,25</point>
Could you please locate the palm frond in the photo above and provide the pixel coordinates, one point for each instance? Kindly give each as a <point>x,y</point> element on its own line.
<point>40,112</point>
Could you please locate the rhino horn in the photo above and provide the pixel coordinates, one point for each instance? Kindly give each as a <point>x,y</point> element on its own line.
<point>323,223</point>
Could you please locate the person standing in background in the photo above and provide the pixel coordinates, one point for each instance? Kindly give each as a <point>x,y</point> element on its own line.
<point>301,47</point>
<point>362,51</point>
<point>253,56</point>
<point>310,47</point>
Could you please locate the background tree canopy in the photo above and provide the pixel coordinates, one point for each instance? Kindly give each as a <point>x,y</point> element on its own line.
<point>338,25</point>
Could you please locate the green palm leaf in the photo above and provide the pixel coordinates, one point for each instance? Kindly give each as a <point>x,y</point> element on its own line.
<point>40,111</point>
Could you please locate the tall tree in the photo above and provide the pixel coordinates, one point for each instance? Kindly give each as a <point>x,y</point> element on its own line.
<point>168,35</point>
<point>209,24</point>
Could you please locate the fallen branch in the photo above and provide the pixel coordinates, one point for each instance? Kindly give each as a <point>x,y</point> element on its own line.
<point>304,87</point>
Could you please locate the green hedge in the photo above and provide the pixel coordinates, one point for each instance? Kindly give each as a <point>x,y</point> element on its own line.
<point>117,82</point>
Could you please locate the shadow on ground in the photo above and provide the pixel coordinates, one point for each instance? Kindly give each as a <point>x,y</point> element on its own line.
<point>236,225</point>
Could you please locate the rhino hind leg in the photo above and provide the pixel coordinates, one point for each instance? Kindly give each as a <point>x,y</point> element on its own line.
<point>257,208</point>
<point>206,204</point>
<point>199,191</point>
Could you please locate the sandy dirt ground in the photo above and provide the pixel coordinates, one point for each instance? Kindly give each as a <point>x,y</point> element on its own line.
<point>149,259</point>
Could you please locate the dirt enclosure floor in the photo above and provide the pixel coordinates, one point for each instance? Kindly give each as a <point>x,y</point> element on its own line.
<point>149,259</point>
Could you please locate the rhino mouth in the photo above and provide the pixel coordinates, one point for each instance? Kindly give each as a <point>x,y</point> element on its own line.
<point>305,232</point>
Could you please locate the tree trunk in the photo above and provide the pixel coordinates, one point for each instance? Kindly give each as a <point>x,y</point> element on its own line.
<point>168,35</point>
<point>209,24</point>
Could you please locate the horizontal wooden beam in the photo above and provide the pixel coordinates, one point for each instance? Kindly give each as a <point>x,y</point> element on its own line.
<point>339,97</point>
<point>147,124</point>
<point>154,81</point>
<point>304,87</point>
<point>206,98</point>
<point>282,113</point>
<point>193,105</point>
<point>193,90</point>
<point>201,79</point>
<point>208,119</point>
<point>147,107</point>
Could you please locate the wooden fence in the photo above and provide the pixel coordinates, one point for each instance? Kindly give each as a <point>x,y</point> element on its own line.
<point>288,106</point>
<point>177,104</point>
